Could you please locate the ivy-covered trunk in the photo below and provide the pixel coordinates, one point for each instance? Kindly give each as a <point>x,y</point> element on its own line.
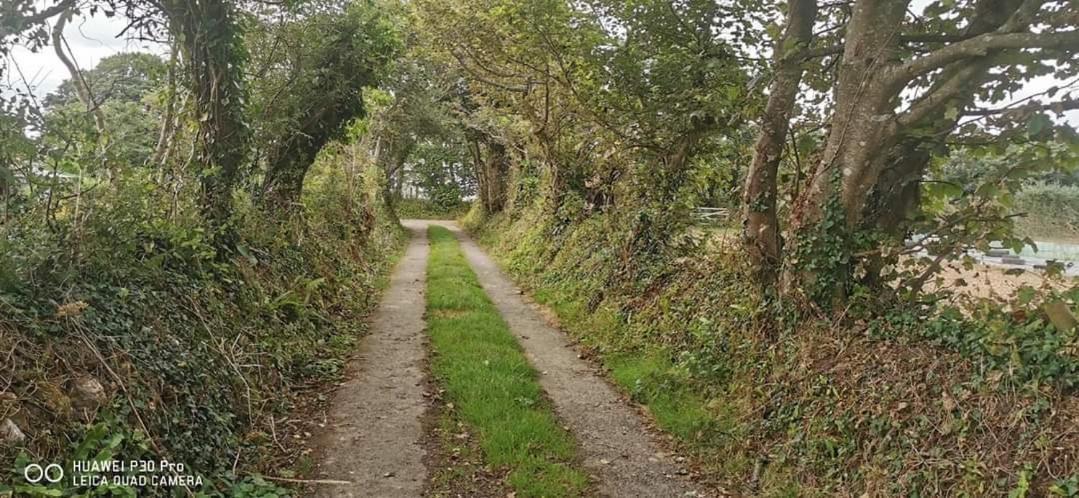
<point>214,54</point>
<point>824,224</point>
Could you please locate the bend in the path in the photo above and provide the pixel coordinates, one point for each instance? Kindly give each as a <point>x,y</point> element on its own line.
<point>374,432</point>
<point>616,445</point>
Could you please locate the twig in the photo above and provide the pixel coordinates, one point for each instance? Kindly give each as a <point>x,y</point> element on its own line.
<point>307,481</point>
<point>130,401</point>
<point>273,432</point>
<point>236,461</point>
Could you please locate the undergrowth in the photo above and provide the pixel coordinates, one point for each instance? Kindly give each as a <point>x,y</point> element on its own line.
<point>492,387</point>
<point>127,336</point>
<point>920,401</point>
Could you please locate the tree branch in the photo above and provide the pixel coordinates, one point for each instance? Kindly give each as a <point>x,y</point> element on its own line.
<point>814,52</point>
<point>933,38</point>
<point>980,46</point>
<point>19,23</point>
<point>1060,106</point>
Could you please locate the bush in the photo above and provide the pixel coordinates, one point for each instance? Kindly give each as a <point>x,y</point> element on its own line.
<point>1052,211</point>
<point>193,351</point>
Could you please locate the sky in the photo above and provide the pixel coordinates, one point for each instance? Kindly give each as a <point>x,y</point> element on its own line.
<point>90,40</point>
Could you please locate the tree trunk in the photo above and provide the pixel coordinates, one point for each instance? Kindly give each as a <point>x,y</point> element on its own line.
<point>491,174</point>
<point>211,46</point>
<point>761,226</point>
<point>283,184</point>
<point>83,91</point>
<point>872,150</point>
<point>167,133</point>
<point>863,124</point>
<point>895,195</point>
<point>895,198</point>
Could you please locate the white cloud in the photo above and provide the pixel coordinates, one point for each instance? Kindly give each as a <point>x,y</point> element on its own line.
<point>90,38</point>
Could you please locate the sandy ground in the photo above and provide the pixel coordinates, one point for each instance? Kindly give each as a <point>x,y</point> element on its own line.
<point>616,446</point>
<point>374,436</point>
<point>982,281</point>
<point>986,281</point>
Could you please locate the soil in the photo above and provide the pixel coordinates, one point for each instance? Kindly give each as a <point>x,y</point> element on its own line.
<point>373,441</point>
<point>617,448</point>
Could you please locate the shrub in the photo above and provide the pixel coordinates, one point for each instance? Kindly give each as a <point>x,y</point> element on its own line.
<point>194,350</point>
<point>1052,211</point>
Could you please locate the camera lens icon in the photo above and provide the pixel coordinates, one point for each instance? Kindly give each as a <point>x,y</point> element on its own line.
<point>35,473</point>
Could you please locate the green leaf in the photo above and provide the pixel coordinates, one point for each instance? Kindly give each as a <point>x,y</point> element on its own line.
<point>1038,124</point>
<point>1026,294</point>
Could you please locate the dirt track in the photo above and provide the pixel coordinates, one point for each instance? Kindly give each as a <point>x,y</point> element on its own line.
<point>615,442</point>
<point>374,438</point>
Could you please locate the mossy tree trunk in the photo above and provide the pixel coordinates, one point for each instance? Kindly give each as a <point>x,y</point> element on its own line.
<point>213,51</point>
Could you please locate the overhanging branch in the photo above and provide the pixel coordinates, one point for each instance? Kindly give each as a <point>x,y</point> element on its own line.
<point>1060,106</point>
<point>980,46</point>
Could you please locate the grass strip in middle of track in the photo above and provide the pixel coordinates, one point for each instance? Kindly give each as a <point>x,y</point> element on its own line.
<point>486,376</point>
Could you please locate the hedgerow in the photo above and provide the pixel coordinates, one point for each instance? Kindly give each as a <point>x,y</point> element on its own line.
<point>919,400</point>
<point>127,335</point>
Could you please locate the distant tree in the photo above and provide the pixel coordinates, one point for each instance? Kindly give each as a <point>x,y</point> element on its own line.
<point>125,77</point>
<point>123,88</point>
<point>310,75</point>
<point>441,169</point>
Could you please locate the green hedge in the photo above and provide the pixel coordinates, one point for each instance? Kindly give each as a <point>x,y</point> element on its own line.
<point>1052,211</point>
<point>194,350</point>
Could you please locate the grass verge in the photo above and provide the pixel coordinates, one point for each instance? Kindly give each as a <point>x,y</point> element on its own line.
<point>492,387</point>
<point>820,410</point>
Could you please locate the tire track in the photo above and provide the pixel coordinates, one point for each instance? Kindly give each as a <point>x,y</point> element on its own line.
<point>374,434</point>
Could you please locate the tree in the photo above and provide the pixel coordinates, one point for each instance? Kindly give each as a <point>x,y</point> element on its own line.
<point>350,52</point>
<point>122,115</point>
<point>878,138</point>
<point>214,57</point>
<point>439,169</point>
<point>599,95</point>
<point>415,106</point>
<point>123,77</point>
<point>761,230</point>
